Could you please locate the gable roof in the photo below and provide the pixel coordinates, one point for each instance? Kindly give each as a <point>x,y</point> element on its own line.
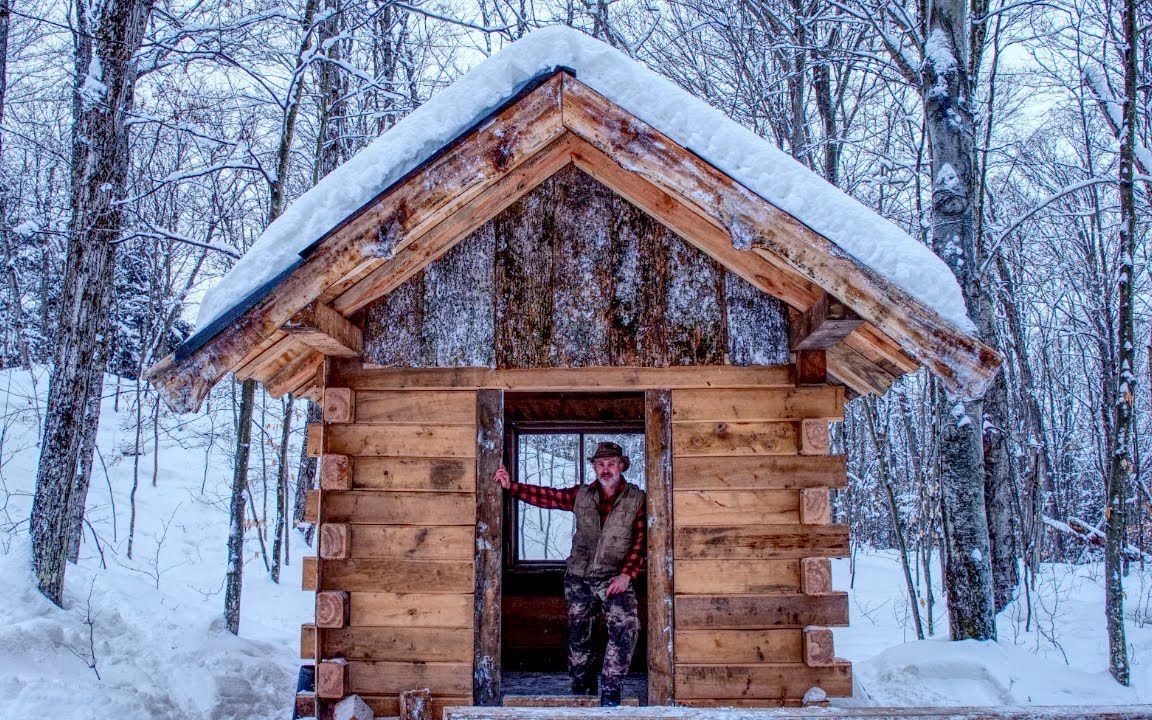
<point>564,98</point>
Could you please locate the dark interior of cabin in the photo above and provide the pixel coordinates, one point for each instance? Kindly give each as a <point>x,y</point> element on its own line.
<point>547,438</point>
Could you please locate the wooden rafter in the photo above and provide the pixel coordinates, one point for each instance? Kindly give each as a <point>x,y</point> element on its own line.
<point>321,327</point>
<point>823,325</point>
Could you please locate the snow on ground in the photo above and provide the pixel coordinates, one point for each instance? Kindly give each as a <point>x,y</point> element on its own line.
<point>161,650</point>
<point>160,645</point>
<point>735,150</point>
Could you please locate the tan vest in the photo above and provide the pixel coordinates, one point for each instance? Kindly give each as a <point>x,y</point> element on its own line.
<point>599,552</point>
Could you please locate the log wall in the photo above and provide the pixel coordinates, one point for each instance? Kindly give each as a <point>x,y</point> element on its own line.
<point>751,538</point>
<point>394,573</point>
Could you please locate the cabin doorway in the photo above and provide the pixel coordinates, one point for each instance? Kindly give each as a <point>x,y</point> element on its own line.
<point>548,437</point>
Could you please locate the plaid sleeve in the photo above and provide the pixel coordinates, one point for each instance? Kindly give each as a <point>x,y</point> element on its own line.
<point>634,562</point>
<point>545,497</point>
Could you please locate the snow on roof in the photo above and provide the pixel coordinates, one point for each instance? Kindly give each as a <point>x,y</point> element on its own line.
<point>730,147</point>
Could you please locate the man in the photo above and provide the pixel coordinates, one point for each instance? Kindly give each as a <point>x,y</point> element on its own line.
<point>608,549</point>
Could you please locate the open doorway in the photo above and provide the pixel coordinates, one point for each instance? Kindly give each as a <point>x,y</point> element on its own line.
<point>548,437</point>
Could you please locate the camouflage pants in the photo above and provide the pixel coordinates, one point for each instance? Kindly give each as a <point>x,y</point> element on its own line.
<point>583,598</point>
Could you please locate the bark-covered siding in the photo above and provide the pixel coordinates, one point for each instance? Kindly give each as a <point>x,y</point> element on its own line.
<point>574,275</point>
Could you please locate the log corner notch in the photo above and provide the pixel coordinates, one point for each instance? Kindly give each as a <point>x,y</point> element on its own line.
<point>555,122</point>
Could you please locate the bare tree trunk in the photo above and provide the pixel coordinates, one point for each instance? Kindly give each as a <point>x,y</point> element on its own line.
<point>280,538</point>
<point>305,479</point>
<point>947,89</point>
<point>1120,459</point>
<point>105,81</point>
<point>234,578</point>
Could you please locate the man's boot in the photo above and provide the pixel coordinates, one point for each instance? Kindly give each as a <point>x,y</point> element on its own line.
<point>609,695</point>
<point>584,685</point>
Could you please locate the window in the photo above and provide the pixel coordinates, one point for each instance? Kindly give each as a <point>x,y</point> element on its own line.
<point>558,458</point>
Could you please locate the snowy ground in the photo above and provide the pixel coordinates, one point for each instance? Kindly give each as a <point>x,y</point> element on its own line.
<point>161,650</point>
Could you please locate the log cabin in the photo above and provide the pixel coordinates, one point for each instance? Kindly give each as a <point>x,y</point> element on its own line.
<point>563,246</point>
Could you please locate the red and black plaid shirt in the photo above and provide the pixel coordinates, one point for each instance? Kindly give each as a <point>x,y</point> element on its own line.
<point>565,499</point>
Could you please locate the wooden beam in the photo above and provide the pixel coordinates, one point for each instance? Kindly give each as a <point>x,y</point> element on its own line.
<point>437,240</point>
<point>335,472</point>
<point>965,365</point>
<point>336,541</point>
<point>818,649</point>
<point>326,330</point>
<point>811,367</point>
<point>297,372</point>
<point>361,377</point>
<point>855,371</point>
<point>339,405</point>
<point>815,576</point>
<point>658,461</point>
<point>331,679</point>
<point>416,705</point>
<point>734,712</point>
<point>331,609</point>
<point>486,675</point>
<point>385,227</point>
<point>815,508</point>
<point>821,326</point>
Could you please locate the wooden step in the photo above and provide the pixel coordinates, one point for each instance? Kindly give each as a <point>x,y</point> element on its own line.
<point>562,701</point>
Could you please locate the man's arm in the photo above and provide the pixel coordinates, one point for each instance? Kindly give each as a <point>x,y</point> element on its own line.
<point>538,495</point>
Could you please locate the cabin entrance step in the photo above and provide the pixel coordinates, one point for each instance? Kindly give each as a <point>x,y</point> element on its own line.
<point>562,701</point>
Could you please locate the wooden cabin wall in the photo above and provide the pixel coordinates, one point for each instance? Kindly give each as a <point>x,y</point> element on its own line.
<point>751,538</point>
<point>397,508</point>
<point>573,275</point>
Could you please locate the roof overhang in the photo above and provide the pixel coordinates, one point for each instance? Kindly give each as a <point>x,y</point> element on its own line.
<point>555,121</point>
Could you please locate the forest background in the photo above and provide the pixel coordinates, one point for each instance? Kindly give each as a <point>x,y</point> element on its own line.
<point>229,109</point>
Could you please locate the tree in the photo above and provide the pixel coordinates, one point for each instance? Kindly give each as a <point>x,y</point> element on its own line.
<point>107,37</point>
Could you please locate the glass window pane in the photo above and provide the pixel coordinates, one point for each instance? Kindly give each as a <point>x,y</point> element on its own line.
<point>551,460</point>
<point>633,445</point>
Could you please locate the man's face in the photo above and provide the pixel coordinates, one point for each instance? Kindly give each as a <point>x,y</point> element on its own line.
<point>608,470</point>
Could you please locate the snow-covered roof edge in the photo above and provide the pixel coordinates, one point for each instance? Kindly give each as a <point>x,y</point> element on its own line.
<point>733,149</point>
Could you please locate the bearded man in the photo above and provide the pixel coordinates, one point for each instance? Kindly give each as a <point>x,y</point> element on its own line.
<point>608,551</point>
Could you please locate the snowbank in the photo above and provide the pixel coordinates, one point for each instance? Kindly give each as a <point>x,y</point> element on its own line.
<point>737,151</point>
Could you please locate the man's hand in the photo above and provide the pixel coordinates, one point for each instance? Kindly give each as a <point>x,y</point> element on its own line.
<point>618,585</point>
<point>501,476</point>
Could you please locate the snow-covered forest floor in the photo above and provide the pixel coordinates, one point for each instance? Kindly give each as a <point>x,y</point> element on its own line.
<point>155,646</point>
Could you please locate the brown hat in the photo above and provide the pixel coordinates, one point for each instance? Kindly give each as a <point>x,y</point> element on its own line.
<point>608,449</point>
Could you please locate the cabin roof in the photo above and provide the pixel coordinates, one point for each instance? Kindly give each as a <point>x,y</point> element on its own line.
<point>553,98</point>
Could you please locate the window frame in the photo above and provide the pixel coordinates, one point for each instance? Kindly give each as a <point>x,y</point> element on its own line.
<point>513,562</point>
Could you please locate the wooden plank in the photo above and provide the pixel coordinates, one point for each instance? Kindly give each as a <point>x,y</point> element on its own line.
<point>440,474</point>
<point>339,405</point>
<point>267,357</point>
<point>659,409</point>
<point>489,565</point>
<point>307,641</point>
<point>359,377</point>
<point>811,367</point>
<point>312,506</point>
<point>431,576</point>
<point>561,701</point>
<point>814,438</point>
<point>762,405</point>
<point>738,612</point>
<point>691,439</point>
<point>387,677</point>
<point>411,644</point>
<point>965,365</point>
<point>736,507</point>
<point>747,709</point>
<point>295,373</point>
<point>388,224</point>
<point>875,345</point>
<point>314,439</point>
<point>309,573</point>
<point>331,609</point>
<point>825,323</point>
<point>755,473</point>
<point>387,706</point>
<point>711,577</point>
<point>440,407</point>
<point>335,472</point>
<point>769,680</point>
<point>738,647</point>
<point>818,650</point>
<point>398,508</point>
<point>815,506</point>
<point>412,542</point>
<point>387,609</point>
<point>326,330</point>
<point>335,541</point>
<point>402,440</point>
<point>855,371</point>
<point>751,542</point>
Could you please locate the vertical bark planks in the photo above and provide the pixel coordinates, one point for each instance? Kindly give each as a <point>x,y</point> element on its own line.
<point>658,451</point>
<point>489,547</point>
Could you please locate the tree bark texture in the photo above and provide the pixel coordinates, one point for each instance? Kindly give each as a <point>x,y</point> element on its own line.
<point>234,577</point>
<point>572,275</point>
<point>947,90</point>
<point>106,45</point>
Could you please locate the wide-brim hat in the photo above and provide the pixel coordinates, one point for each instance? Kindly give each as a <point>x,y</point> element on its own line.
<point>608,449</point>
